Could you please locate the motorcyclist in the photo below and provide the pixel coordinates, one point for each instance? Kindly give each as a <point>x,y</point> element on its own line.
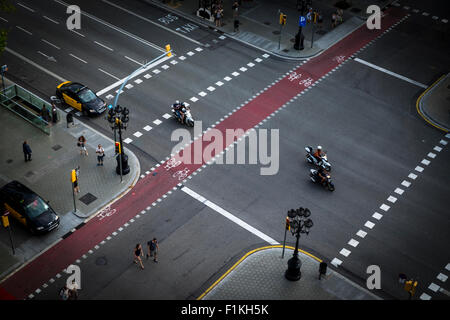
<point>322,174</point>
<point>318,154</point>
<point>177,108</point>
<point>183,110</point>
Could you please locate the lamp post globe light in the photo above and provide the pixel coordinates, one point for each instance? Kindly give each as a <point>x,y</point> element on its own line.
<point>118,119</point>
<point>299,222</point>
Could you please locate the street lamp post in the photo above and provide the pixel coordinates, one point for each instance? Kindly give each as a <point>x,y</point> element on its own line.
<point>118,119</point>
<point>299,223</point>
<point>298,45</point>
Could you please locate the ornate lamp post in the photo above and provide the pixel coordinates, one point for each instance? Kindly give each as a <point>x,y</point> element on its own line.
<point>118,119</point>
<point>300,223</point>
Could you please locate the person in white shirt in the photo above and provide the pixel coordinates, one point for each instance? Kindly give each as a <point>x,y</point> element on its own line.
<point>100,154</point>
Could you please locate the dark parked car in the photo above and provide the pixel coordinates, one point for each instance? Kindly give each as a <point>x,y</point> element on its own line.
<point>80,97</point>
<point>28,208</point>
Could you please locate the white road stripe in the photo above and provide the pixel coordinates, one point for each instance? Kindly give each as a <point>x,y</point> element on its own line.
<point>377,216</point>
<point>82,35</point>
<point>431,155</point>
<point>24,6</point>
<point>102,45</point>
<point>412,176</point>
<point>391,73</point>
<point>425,162</point>
<point>108,74</point>
<point>353,243</point>
<point>442,277</point>
<point>419,169</point>
<point>361,233</point>
<point>229,216</point>
<point>74,56</point>
<point>154,23</point>
<point>392,199</point>
<point>433,287</point>
<point>50,44</point>
<point>336,262</point>
<point>134,60</point>
<point>345,252</point>
<point>424,296</point>
<point>3,19</point>
<point>26,31</point>
<point>384,207</point>
<point>399,191</point>
<point>49,19</point>
<point>369,224</point>
<point>115,28</point>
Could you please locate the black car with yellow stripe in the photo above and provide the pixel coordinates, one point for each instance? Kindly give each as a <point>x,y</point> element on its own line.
<point>28,208</point>
<point>80,97</point>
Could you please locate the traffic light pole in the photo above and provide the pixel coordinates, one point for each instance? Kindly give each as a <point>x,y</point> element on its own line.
<point>120,153</point>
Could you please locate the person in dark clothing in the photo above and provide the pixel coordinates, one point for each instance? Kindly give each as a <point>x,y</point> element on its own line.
<point>54,113</point>
<point>26,151</point>
<point>45,114</point>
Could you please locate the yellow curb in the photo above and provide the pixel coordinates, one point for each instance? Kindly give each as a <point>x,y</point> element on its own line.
<point>244,257</point>
<point>420,98</point>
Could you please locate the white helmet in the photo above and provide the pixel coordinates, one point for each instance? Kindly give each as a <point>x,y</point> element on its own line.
<point>319,147</point>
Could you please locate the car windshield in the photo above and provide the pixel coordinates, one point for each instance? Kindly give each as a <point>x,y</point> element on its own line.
<point>86,95</point>
<point>35,208</point>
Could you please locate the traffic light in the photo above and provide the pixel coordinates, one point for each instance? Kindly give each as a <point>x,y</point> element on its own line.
<point>283,19</point>
<point>118,148</point>
<point>288,225</point>
<point>74,176</point>
<point>5,221</point>
<point>169,53</point>
<point>410,287</point>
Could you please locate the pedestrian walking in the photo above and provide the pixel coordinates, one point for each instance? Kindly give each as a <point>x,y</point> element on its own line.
<point>100,155</point>
<point>235,8</point>
<point>45,114</point>
<point>69,119</point>
<point>54,113</point>
<point>64,293</point>
<point>76,187</point>
<point>153,248</point>
<point>26,151</point>
<point>82,144</point>
<point>137,255</point>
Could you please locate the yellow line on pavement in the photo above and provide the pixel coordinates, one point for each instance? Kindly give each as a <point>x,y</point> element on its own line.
<point>244,257</point>
<point>420,98</point>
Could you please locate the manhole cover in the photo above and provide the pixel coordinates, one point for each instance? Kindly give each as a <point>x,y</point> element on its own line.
<point>276,32</point>
<point>101,261</point>
<point>9,160</point>
<point>29,174</point>
<point>267,23</point>
<point>56,147</point>
<point>355,10</point>
<point>88,198</point>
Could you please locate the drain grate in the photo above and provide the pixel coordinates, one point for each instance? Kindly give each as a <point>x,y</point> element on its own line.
<point>88,198</point>
<point>56,147</point>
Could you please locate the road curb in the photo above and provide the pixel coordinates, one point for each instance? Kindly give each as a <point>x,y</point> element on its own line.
<point>246,256</point>
<point>422,113</point>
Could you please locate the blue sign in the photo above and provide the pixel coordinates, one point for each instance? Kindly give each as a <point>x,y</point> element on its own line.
<point>302,21</point>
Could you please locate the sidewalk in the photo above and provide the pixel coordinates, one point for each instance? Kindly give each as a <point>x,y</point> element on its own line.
<point>48,174</point>
<point>259,275</point>
<point>259,23</point>
<point>434,104</point>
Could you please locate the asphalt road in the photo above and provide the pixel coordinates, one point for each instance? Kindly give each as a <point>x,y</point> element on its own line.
<point>363,117</point>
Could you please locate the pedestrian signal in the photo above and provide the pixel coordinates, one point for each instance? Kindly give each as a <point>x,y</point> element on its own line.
<point>288,226</point>
<point>283,19</point>
<point>118,148</point>
<point>5,221</point>
<point>169,52</point>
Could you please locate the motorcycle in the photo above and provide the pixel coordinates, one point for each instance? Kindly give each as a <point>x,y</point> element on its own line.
<point>188,120</point>
<point>320,163</point>
<point>316,179</point>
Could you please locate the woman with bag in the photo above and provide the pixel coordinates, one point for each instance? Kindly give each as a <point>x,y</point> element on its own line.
<point>82,144</point>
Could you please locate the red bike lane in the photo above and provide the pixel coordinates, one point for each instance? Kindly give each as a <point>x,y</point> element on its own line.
<point>37,272</point>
